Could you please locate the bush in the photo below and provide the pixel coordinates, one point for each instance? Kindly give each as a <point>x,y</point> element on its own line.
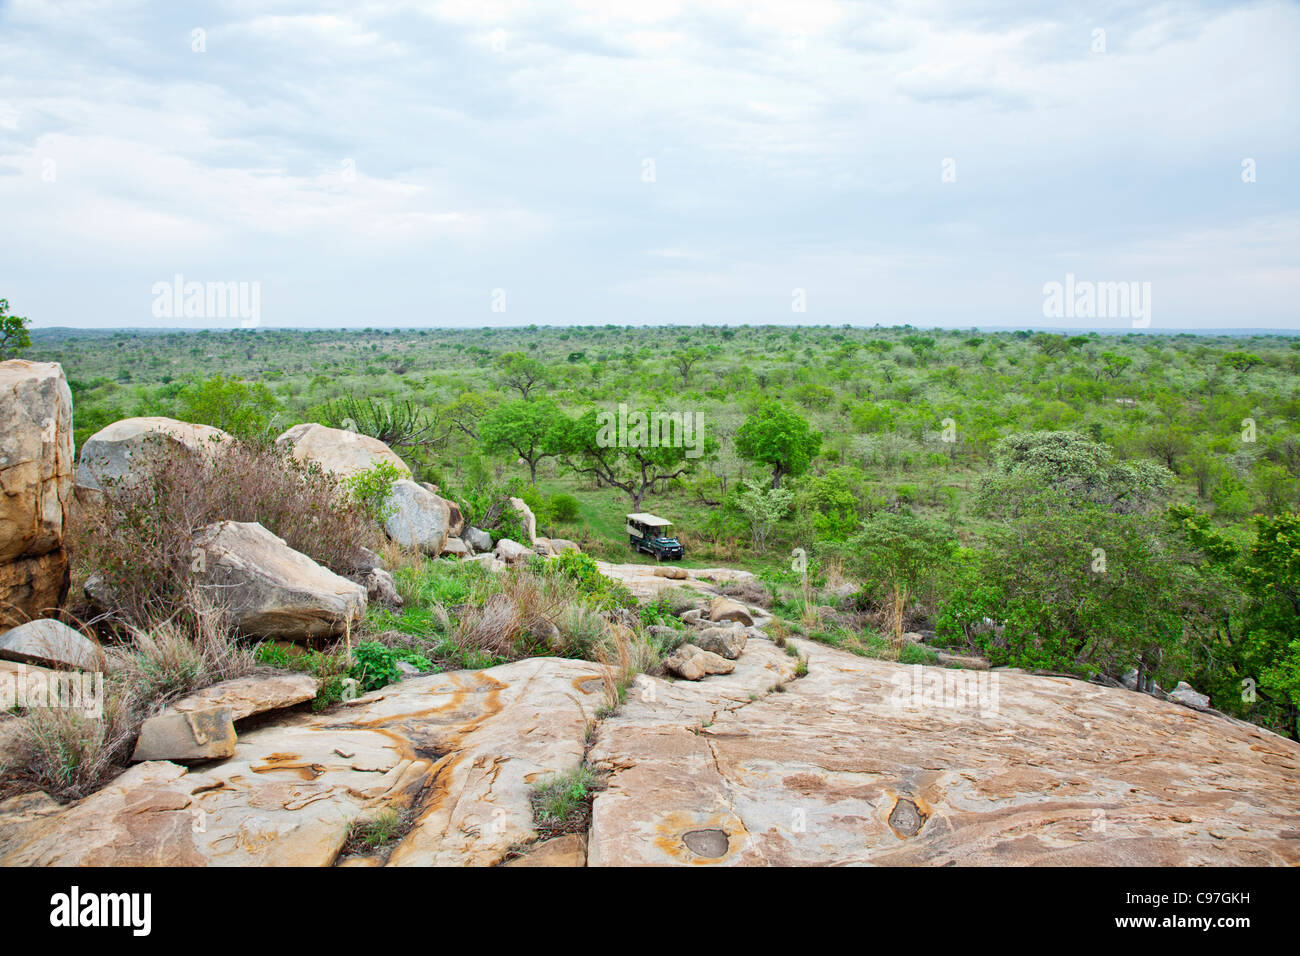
<point>564,508</point>
<point>582,571</point>
<point>375,665</point>
<point>140,539</point>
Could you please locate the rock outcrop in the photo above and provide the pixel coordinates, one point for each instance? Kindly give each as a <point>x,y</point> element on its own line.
<point>694,663</point>
<point>247,696</point>
<point>271,590</point>
<point>459,752</point>
<point>127,449</point>
<point>527,517</point>
<point>35,488</point>
<point>870,762</point>
<point>338,451</point>
<point>511,552</point>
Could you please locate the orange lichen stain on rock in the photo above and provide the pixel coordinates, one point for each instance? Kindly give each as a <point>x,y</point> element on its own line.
<point>579,684</point>
<point>277,763</point>
<point>673,828</point>
<point>484,686</point>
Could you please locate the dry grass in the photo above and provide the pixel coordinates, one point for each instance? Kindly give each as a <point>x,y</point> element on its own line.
<point>68,753</point>
<point>516,620</point>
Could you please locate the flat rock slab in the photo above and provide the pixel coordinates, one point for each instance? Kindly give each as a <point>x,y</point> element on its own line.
<point>567,850</point>
<point>871,762</point>
<point>50,643</point>
<point>205,733</point>
<point>246,696</point>
<point>460,750</point>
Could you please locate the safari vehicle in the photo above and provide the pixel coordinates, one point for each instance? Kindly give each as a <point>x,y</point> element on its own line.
<point>654,535</point>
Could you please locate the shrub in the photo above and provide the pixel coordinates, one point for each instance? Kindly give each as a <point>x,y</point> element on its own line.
<point>371,489</point>
<point>562,804</point>
<point>139,539</point>
<point>581,569</point>
<point>564,508</point>
<point>374,665</point>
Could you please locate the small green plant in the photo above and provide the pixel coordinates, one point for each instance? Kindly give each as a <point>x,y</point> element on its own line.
<point>379,832</point>
<point>374,665</point>
<point>372,489</point>
<point>562,804</point>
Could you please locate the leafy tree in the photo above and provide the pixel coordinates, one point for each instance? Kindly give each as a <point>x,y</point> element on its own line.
<point>521,372</point>
<point>898,554</point>
<point>780,438</point>
<point>13,332</point>
<point>763,508</point>
<point>242,408</point>
<point>684,360</point>
<point>522,428</point>
<point>586,447</point>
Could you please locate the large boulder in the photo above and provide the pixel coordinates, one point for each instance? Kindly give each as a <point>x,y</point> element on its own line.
<point>418,519</point>
<point>35,488</point>
<point>341,452</point>
<point>124,450</point>
<point>1184,693</point>
<point>529,520</point>
<point>271,590</point>
<point>50,643</point>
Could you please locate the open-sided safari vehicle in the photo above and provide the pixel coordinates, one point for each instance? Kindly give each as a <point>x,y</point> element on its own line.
<point>654,535</point>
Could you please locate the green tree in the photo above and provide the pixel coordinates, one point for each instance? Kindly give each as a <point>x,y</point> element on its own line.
<point>521,372</point>
<point>522,428</point>
<point>780,438</point>
<point>242,408</point>
<point>763,508</point>
<point>13,332</point>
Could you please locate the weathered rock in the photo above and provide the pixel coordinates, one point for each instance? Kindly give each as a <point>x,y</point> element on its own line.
<point>126,450</point>
<point>456,524</point>
<point>35,488</point>
<point>456,548</point>
<point>380,588</point>
<point>529,520</point>
<point>479,541</point>
<point>544,547</point>
<point>667,571</point>
<point>338,451</point>
<point>206,733</point>
<point>692,615</point>
<point>49,643</point>
<point>246,696</point>
<point>694,663</point>
<point>271,590</point>
<point>567,850</point>
<point>726,642</point>
<point>33,587</point>
<point>875,763</point>
<point>725,609</point>
<point>511,552</point>
<point>488,561</point>
<point>418,518</point>
<point>645,584</point>
<point>564,544</point>
<point>1184,693</point>
<point>460,750</point>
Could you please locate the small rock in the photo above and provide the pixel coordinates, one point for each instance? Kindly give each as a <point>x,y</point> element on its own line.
<point>207,734</point>
<point>456,548</point>
<point>511,552</point>
<point>1185,694</point>
<point>478,541</point>
<point>380,588</point>
<point>408,669</point>
<point>694,663</point>
<point>668,571</point>
<point>725,609</point>
<point>692,615</point>
<point>50,643</point>
<point>567,850</point>
<point>964,661</point>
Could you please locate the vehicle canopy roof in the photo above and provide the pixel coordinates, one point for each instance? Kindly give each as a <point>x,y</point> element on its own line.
<point>649,520</point>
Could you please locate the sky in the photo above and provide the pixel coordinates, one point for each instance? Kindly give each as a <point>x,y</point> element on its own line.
<point>491,162</point>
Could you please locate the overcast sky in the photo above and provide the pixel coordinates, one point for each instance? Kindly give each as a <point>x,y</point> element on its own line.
<point>644,162</point>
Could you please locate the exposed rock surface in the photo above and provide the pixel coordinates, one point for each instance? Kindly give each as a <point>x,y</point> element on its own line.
<point>567,850</point>
<point>50,643</point>
<point>271,590</point>
<point>848,765</point>
<point>339,451</point>
<point>35,488</point>
<point>1184,693</point>
<point>126,449</point>
<point>456,548</point>
<point>418,518</point>
<point>381,588</point>
<point>246,696</point>
<point>460,749</point>
<point>644,581</point>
